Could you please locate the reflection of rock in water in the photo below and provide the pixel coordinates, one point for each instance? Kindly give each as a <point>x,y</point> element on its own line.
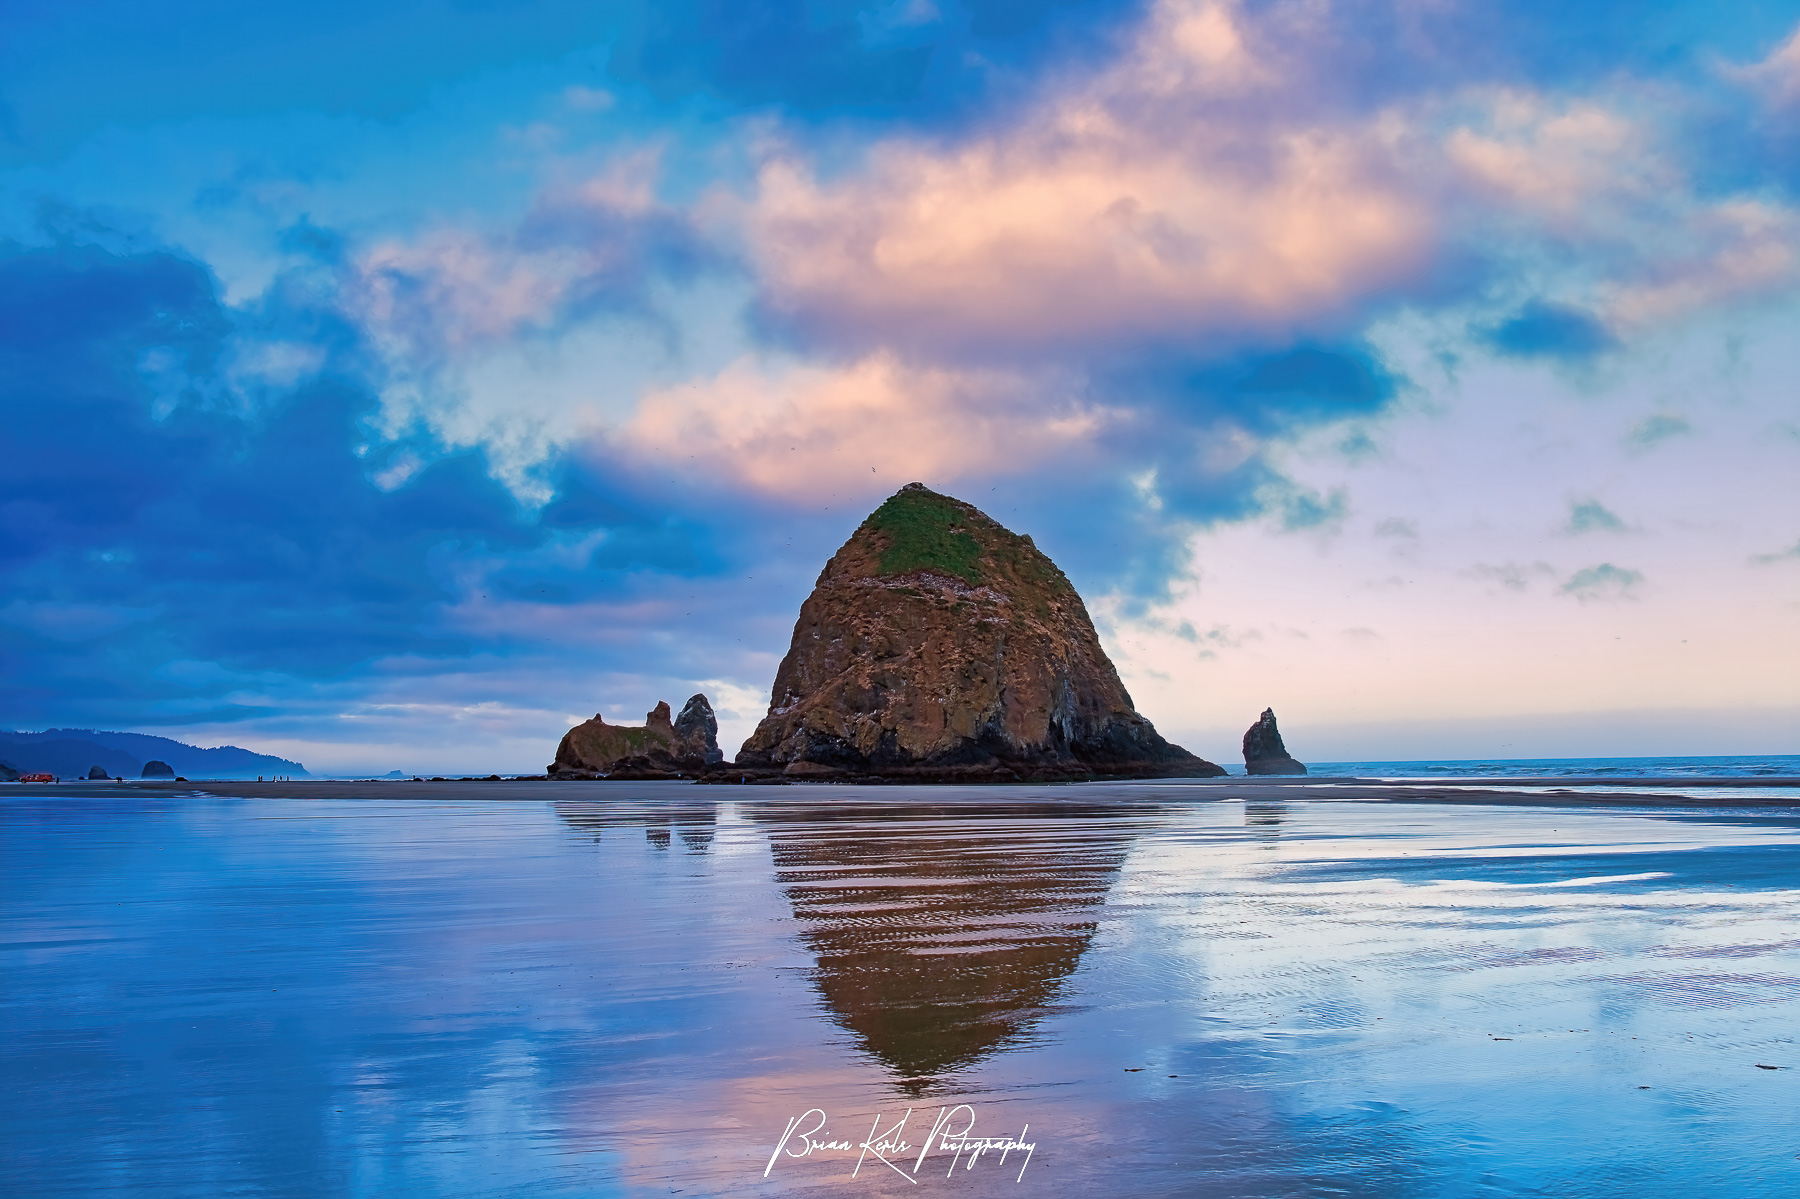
<point>943,936</point>
<point>693,823</point>
<point>1264,817</point>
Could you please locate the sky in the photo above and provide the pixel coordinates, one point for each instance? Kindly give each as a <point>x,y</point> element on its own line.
<point>390,385</point>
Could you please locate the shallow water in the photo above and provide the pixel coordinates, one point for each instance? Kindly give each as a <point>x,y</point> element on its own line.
<point>1623,768</point>
<point>1174,997</point>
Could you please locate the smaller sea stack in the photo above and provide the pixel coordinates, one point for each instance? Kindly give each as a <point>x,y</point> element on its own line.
<point>1263,751</point>
<point>660,748</point>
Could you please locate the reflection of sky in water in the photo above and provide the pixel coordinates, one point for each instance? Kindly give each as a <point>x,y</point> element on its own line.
<point>1375,958</point>
<point>323,998</point>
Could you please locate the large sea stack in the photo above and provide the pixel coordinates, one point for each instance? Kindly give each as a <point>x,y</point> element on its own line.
<point>1263,751</point>
<point>938,646</point>
<point>659,748</point>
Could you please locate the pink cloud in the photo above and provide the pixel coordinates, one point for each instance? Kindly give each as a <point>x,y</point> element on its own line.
<point>1151,201</point>
<point>1206,188</point>
<point>803,432</point>
<point>1203,190</point>
<point>454,290</point>
<point>1594,180</point>
<point>1777,74</point>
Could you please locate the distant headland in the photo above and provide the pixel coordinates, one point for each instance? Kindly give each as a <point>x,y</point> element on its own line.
<point>78,753</point>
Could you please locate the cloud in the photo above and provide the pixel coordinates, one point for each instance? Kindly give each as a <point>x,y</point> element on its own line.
<point>1654,430</point>
<point>269,546</point>
<point>1713,254</point>
<point>592,247</point>
<point>1777,74</point>
<point>1542,329</point>
<point>1211,186</point>
<point>581,98</point>
<point>1299,510</point>
<point>1598,182</point>
<point>1555,161</point>
<point>1591,516</point>
<point>1513,576</point>
<point>1789,554</point>
<point>806,432</point>
<point>1100,237</point>
<point>1121,210</point>
<point>1602,582</point>
<point>1151,258</point>
<point>464,323</point>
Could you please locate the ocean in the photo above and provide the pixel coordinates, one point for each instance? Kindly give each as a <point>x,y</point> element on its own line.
<point>1755,766</point>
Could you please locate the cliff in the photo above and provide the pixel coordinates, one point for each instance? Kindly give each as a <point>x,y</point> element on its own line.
<point>939,646</point>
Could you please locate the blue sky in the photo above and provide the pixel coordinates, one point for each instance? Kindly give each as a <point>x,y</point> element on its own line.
<point>387,385</point>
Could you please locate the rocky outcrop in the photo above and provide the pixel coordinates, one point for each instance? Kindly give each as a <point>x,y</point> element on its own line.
<point>1263,751</point>
<point>938,646</point>
<point>659,748</point>
<point>98,772</point>
<point>697,729</point>
<point>154,769</point>
<point>8,773</point>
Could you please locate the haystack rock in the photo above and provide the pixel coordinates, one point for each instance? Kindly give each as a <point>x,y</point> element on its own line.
<point>156,769</point>
<point>1263,751</point>
<point>938,646</point>
<point>98,772</point>
<point>659,748</point>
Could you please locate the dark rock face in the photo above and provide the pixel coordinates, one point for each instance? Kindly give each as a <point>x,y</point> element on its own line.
<point>154,769</point>
<point>98,772</point>
<point>938,646</point>
<point>1263,751</point>
<point>659,748</point>
<point>8,773</point>
<point>697,726</point>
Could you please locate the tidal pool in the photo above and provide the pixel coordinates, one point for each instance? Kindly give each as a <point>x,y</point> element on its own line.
<point>651,989</point>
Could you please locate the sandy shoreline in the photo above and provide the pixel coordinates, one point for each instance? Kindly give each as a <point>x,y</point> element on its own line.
<point>1707,792</point>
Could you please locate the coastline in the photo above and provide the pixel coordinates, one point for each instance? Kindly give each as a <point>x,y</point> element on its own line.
<point>1713,792</point>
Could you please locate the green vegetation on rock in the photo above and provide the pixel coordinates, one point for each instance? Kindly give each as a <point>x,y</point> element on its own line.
<point>1024,560</point>
<point>926,531</point>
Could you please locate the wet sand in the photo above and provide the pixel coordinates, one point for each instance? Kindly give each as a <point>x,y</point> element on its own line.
<point>1597,791</point>
<point>1242,989</point>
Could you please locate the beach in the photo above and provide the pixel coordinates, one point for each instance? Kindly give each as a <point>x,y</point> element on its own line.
<point>1235,988</point>
<point>1726,790</point>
